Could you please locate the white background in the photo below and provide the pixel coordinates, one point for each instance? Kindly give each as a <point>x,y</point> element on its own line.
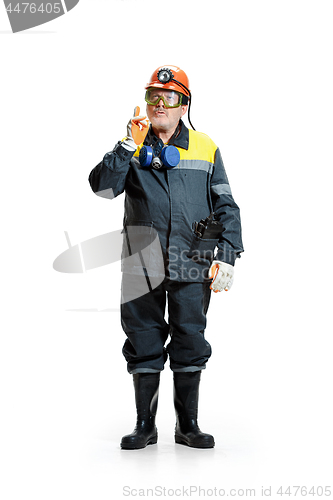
<point>261,79</point>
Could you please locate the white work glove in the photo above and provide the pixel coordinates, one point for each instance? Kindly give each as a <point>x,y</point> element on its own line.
<point>137,129</point>
<point>222,275</point>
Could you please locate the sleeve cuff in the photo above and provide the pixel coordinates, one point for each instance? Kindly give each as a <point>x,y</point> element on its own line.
<point>123,153</point>
<point>229,257</point>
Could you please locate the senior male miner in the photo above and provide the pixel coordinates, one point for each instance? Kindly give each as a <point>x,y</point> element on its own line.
<point>182,235</point>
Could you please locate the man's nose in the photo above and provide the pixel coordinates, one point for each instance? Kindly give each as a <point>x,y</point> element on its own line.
<point>160,102</point>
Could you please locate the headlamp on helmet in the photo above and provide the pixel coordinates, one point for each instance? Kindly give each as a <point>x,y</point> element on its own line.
<point>164,75</point>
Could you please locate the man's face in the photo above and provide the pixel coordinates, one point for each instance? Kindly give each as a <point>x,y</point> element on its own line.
<point>164,119</point>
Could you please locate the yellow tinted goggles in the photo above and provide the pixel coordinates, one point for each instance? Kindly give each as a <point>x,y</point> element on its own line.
<point>170,98</point>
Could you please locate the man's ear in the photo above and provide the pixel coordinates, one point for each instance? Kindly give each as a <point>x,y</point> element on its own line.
<point>184,109</point>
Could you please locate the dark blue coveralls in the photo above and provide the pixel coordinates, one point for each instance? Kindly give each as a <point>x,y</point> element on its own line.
<point>166,202</point>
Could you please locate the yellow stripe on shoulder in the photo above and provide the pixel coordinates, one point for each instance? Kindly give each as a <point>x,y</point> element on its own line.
<point>201,147</point>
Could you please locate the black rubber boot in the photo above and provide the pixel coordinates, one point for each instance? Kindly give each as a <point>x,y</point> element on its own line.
<point>186,396</point>
<point>146,395</point>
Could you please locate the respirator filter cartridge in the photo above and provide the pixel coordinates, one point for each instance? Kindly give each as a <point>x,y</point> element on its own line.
<point>169,157</point>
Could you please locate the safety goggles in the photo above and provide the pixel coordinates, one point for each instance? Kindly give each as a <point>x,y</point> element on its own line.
<point>170,98</point>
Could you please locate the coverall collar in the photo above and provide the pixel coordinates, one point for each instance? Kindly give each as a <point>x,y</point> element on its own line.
<point>181,141</point>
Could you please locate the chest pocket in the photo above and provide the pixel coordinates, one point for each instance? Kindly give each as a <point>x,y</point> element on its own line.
<point>197,188</point>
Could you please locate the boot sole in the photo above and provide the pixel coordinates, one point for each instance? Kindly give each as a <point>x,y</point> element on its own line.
<point>184,441</point>
<point>134,446</point>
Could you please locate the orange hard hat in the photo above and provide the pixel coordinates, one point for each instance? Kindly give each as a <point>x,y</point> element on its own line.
<point>166,77</point>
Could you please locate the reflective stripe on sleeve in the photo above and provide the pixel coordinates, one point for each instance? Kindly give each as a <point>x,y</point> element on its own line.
<point>221,189</point>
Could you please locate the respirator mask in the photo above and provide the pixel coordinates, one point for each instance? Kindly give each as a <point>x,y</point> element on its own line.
<point>159,155</point>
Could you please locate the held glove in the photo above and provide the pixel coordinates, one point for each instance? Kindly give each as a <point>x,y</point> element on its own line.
<point>222,275</point>
<point>137,129</point>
